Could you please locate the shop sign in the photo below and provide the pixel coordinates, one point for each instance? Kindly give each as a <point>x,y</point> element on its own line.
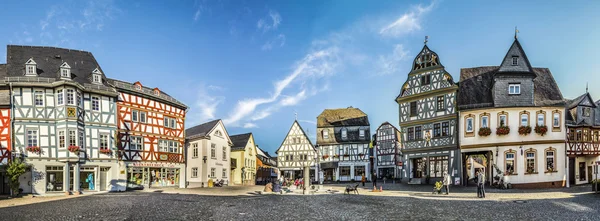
<point>151,165</point>
<point>164,157</point>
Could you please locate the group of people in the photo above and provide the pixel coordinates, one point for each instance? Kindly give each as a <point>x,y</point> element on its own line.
<point>479,179</point>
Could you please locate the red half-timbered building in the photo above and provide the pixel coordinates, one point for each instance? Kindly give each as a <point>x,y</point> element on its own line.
<point>150,127</point>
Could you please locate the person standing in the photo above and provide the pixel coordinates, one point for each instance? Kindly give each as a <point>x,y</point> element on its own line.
<point>363,180</point>
<point>477,184</point>
<point>481,184</point>
<point>446,182</point>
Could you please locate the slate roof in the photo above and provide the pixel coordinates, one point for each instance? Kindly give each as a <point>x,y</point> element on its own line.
<point>49,60</point>
<point>2,70</point>
<point>146,92</point>
<point>476,84</point>
<point>523,64</point>
<point>342,117</point>
<point>239,141</point>
<point>573,103</point>
<point>201,130</point>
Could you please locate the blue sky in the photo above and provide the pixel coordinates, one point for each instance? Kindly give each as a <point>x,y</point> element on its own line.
<point>255,63</point>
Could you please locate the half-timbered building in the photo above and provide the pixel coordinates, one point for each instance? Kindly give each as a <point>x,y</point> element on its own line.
<point>388,152</point>
<point>150,135</point>
<point>296,153</point>
<point>428,121</point>
<point>63,112</point>
<point>512,120</point>
<point>266,167</point>
<point>5,132</point>
<point>243,152</point>
<point>208,154</point>
<point>343,140</point>
<point>583,138</point>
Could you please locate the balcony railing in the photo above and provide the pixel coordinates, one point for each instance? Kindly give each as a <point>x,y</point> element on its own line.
<point>30,79</point>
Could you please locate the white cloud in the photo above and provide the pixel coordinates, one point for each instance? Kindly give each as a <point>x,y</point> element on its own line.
<point>250,125</point>
<point>315,65</point>
<point>198,13</point>
<point>391,63</point>
<point>277,41</point>
<point>406,23</point>
<point>206,103</point>
<point>265,26</point>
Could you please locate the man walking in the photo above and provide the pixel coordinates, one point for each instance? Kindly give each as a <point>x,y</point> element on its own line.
<point>446,182</point>
<point>481,184</point>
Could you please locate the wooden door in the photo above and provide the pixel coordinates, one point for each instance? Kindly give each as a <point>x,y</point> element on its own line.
<point>572,171</point>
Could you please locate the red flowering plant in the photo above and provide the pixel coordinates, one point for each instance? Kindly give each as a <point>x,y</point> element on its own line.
<point>346,155</point>
<point>502,130</point>
<point>34,149</point>
<point>105,151</point>
<point>74,149</point>
<point>325,156</point>
<point>524,130</point>
<point>541,130</point>
<point>485,131</point>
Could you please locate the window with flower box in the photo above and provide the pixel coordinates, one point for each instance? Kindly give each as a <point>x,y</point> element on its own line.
<point>32,138</point>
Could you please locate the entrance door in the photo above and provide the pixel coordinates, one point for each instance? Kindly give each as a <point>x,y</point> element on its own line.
<point>103,173</point>
<point>589,174</point>
<point>418,167</point>
<point>572,171</point>
<point>328,175</point>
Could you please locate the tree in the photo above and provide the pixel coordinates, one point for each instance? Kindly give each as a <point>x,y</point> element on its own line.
<point>16,168</point>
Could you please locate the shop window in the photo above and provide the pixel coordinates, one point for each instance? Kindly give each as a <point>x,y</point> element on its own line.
<point>550,160</point>
<point>345,171</point>
<point>213,151</point>
<point>54,178</point>
<point>437,166</point>
<point>194,172</point>
<point>509,162</point>
<point>530,163</point>
<point>582,173</point>
<point>359,170</point>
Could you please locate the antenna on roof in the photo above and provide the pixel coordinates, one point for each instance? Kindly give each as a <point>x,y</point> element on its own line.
<point>295,115</point>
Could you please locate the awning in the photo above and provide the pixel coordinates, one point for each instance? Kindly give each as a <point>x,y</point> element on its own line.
<point>329,165</point>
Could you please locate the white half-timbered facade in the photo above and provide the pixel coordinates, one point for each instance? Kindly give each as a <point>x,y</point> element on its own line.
<point>296,153</point>
<point>64,120</point>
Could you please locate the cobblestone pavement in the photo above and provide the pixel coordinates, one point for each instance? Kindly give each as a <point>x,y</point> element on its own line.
<point>195,205</point>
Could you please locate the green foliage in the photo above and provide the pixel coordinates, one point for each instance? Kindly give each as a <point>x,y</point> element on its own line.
<point>16,168</point>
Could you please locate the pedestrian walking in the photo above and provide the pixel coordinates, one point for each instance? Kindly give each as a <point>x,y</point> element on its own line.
<point>481,184</point>
<point>363,179</point>
<point>446,183</point>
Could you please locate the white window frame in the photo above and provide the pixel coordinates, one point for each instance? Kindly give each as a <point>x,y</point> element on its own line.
<point>213,151</point>
<point>97,78</point>
<point>361,133</point>
<point>62,139</point>
<point>527,158</point>
<point>541,120</point>
<point>31,68</point>
<point>135,117</point>
<point>60,97</point>
<point>65,73</point>
<point>556,120</point>
<point>137,142</point>
<point>344,133</point>
<point>166,122</point>
<point>195,150</point>
<point>70,97</point>
<point>224,153</point>
<point>514,161</point>
<point>143,116</point>
<point>553,159</point>
<point>72,137</point>
<point>212,172</point>
<point>515,61</point>
<point>485,120</point>
<point>103,140</point>
<point>95,103</point>
<point>32,138</point>
<point>524,120</point>
<point>501,121</point>
<point>38,97</point>
<point>194,172</point>
<point>224,173</point>
<point>173,125</point>
<point>469,121</point>
<point>514,88</point>
<point>325,134</point>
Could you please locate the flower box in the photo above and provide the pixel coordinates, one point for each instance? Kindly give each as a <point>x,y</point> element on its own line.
<point>74,149</point>
<point>502,130</point>
<point>346,155</point>
<point>336,156</point>
<point>105,151</point>
<point>541,130</point>
<point>524,130</point>
<point>485,131</point>
<point>34,149</point>
<point>325,156</point>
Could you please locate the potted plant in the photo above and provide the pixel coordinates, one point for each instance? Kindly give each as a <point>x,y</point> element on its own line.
<point>541,130</point>
<point>502,130</point>
<point>34,149</point>
<point>336,156</point>
<point>105,151</point>
<point>524,130</point>
<point>74,149</point>
<point>485,131</point>
<point>325,156</point>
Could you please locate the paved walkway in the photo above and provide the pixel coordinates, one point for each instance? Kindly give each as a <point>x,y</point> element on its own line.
<point>6,201</point>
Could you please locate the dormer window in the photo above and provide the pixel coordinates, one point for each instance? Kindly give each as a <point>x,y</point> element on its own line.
<point>156,92</point>
<point>344,134</point>
<point>30,68</point>
<point>96,76</point>
<point>65,71</point>
<point>515,60</point>
<point>137,86</point>
<point>514,88</point>
<point>325,134</point>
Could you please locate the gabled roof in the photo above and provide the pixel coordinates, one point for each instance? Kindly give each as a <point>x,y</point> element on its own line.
<point>303,133</point>
<point>476,86</point>
<point>426,60</point>
<point>523,65</point>
<point>146,92</point>
<point>584,100</point>
<point>239,141</point>
<point>201,130</point>
<point>49,60</point>
<point>342,117</point>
